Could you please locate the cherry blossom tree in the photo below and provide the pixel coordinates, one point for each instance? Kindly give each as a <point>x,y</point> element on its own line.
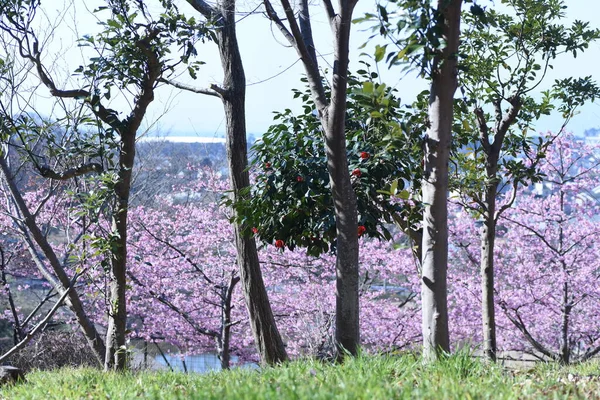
<point>183,277</point>
<point>547,262</point>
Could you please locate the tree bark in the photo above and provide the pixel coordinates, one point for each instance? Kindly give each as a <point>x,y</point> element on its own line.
<point>116,357</point>
<point>40,325</point>
<point>224,339</point>
<point>17,327</point>
<point>116,354</point>
<point>565,348</point>
<point>567,306</point>
<point>436,337</point>
<point>491,215</point>
<point>488,241</point>
<point>347,332</point>
<point>266,335</point>
<point>332,115</point>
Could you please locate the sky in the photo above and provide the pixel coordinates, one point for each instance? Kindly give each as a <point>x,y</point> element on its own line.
<point>273,69</point>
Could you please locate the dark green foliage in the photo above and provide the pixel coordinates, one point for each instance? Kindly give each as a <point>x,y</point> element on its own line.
<point>291,199</point>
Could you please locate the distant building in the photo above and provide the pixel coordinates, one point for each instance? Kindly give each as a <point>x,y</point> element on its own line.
<point>592,136</point>
<point>182,139</point>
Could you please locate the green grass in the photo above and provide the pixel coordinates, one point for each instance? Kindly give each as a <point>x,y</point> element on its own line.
<point>459,377</point>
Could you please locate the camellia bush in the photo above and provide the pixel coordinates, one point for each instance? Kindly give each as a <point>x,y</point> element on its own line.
<point>291,204</point>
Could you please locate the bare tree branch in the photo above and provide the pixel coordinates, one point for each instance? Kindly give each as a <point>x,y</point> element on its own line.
<point>183,86</point>
<point>272,15</point>
<point>79,170</point>
<point>37,328</point>
<point>513,196</point>
<point>163,300</point>
<point>484,133</point>
<point>329,10</point>
<point>204,8</point>
<point>503,124</point>
<point>294,36</point>
<point>520,325</point>
<point>178,251</point>
<point>28,226</point>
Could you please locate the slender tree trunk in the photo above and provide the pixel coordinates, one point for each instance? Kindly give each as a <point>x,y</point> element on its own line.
<point>491,215</point>
<point>436,337</point>
<point>488,241</point>
<point>116,354</point>
<point>224,338</point>
<point>73,300</point>
<point>567,306</point>
<point>268,340</point>
<point>333,119</point>
<point>332,115</point>
<point>565,348</point>
<point>17,329</point>
<point>347,332</point>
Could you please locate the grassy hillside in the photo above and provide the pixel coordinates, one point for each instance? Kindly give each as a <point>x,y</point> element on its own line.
<point>365,378</point>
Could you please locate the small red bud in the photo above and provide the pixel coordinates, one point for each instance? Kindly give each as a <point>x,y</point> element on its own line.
<point>279,244</point>
<point>357,172</point>
<point>364,155</point>
<point>361,230</point>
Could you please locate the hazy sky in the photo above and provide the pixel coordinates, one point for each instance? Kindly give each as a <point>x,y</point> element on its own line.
<point>272,70</point>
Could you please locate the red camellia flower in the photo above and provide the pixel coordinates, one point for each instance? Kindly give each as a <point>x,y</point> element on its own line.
<point>267,165</point>
<point>255,230</point>
<point>364,155</point>
<point>299,178</point>
<point>361,230</point>
<point>357,172</point>
<point>279,244</point>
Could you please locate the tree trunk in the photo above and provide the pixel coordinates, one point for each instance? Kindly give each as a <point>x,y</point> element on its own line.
<point>116,354</point>
<point>332,115</point>
<point>268,340</point>
<point>224,338</point>
<point>347,333</point>
<point>73,300</point>
<point>17,329</point>
<point>435,188</point>
<point>333,119</point>
<point>488,240</point>
<point>567,306</point>
<point>565,348</point>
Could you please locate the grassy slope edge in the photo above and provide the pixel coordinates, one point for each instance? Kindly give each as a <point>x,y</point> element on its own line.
<point>368,377</point>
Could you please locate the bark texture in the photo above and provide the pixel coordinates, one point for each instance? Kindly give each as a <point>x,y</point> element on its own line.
<point>233,94</point>
<point>224,339</point>
<point>567,303</point>
<point>347,333</point>
<point>267,337</point>
<point>117,275</point>
<point>503,121</point>
<point>116,356</point>
<point>488,240</point>
<point>435,186</point>
<point>332,114</point>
